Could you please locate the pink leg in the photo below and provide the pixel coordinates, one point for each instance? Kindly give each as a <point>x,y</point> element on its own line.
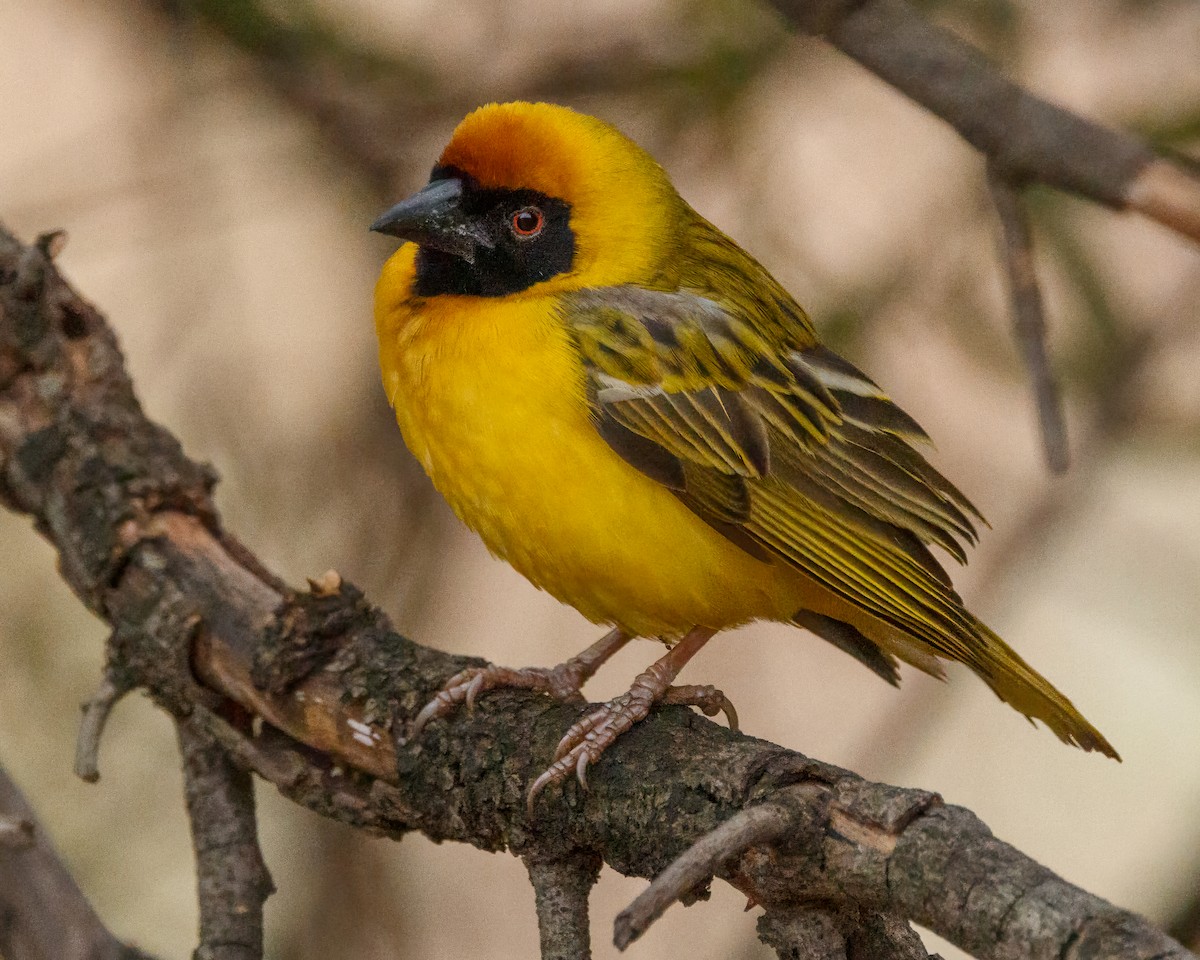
<point>562,682</point>
<point>593,734</point>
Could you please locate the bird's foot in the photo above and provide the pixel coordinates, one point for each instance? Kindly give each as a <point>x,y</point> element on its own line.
<point>594,733</point>
<point>562,682</point>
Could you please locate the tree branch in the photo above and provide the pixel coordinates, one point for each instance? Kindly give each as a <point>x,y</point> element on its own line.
<point>1025,138</point>
<point>766,823</point>
<point>43,913</point>
<point>193,613</point>
<point>233,881</point>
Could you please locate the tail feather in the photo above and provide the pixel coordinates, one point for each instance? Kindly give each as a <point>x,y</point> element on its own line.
<point>1023,688</point>
<point>877,645</point>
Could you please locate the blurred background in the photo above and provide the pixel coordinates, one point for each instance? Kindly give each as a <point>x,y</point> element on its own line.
<point>216,163</point>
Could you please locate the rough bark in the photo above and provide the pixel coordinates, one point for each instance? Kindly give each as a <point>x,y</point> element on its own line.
<point>232,880</point>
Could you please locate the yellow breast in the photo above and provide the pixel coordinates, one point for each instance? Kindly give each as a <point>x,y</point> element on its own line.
<point>490,396</point>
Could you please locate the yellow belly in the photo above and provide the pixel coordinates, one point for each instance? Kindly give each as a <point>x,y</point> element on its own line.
<point>490,397</point>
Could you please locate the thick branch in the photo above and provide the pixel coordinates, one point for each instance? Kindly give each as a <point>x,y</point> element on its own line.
<point>140,543</point>
<point>1024,137</point>
<point>43,913</point>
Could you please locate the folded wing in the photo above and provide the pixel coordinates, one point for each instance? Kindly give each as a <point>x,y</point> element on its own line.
<point>796,456</point>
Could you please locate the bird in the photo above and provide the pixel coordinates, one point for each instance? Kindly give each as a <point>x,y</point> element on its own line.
<point>631,411</point>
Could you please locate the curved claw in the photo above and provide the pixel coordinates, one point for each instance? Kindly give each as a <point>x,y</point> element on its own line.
<point>581,766</point>
<point>538,786</point>
<point>720,704</point>
<point>474,688</point>
<point>576,733</point>
<point>443,701</point>
<point>561,768</point>
<point>731,716</point>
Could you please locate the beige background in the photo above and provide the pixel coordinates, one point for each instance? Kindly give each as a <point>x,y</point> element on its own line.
<point>226,241</point>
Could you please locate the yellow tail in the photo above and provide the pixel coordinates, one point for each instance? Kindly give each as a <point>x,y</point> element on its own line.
<point>1019,685</point>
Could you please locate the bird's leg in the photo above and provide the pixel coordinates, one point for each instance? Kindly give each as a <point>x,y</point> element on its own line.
<point>588,738</point>
<point>562,682</point>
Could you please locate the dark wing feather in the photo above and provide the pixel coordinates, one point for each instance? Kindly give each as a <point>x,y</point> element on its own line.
<point>794,452</point>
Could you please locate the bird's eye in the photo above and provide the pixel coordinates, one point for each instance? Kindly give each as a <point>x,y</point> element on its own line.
<point>528,222</point>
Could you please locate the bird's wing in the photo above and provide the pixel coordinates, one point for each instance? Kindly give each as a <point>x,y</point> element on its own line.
<point>794,454</point>
<point>791,453</point>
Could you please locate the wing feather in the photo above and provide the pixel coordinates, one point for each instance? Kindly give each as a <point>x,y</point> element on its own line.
<point>786,446</point>
<point>792,453</point>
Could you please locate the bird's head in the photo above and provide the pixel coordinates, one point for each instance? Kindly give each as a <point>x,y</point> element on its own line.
<point>532,194</point>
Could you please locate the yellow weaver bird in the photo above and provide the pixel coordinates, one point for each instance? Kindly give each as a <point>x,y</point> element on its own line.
<point>633,413</point>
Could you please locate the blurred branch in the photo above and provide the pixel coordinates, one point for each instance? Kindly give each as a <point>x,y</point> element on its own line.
<point>1029,322</point>
<point>373,107</point>
<point>367,103</point>
<point>43,913</point>
<point>193,612</point>
<point>1025,138</point>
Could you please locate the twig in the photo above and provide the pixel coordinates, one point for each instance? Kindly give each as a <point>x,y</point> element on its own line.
<point>764,824</point>
<point>95,715</point>
<point>803,931</point>
<point>1029,321</point>
<point>1024,137</point>
<point>43,913</point>
<point>561,884</point>
<point>233,881</point>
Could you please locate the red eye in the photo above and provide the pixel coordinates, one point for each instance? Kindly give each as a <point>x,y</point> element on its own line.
<point>528,222</point>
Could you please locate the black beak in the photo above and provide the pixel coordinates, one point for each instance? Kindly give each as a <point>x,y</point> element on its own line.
<point>434,217</point>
